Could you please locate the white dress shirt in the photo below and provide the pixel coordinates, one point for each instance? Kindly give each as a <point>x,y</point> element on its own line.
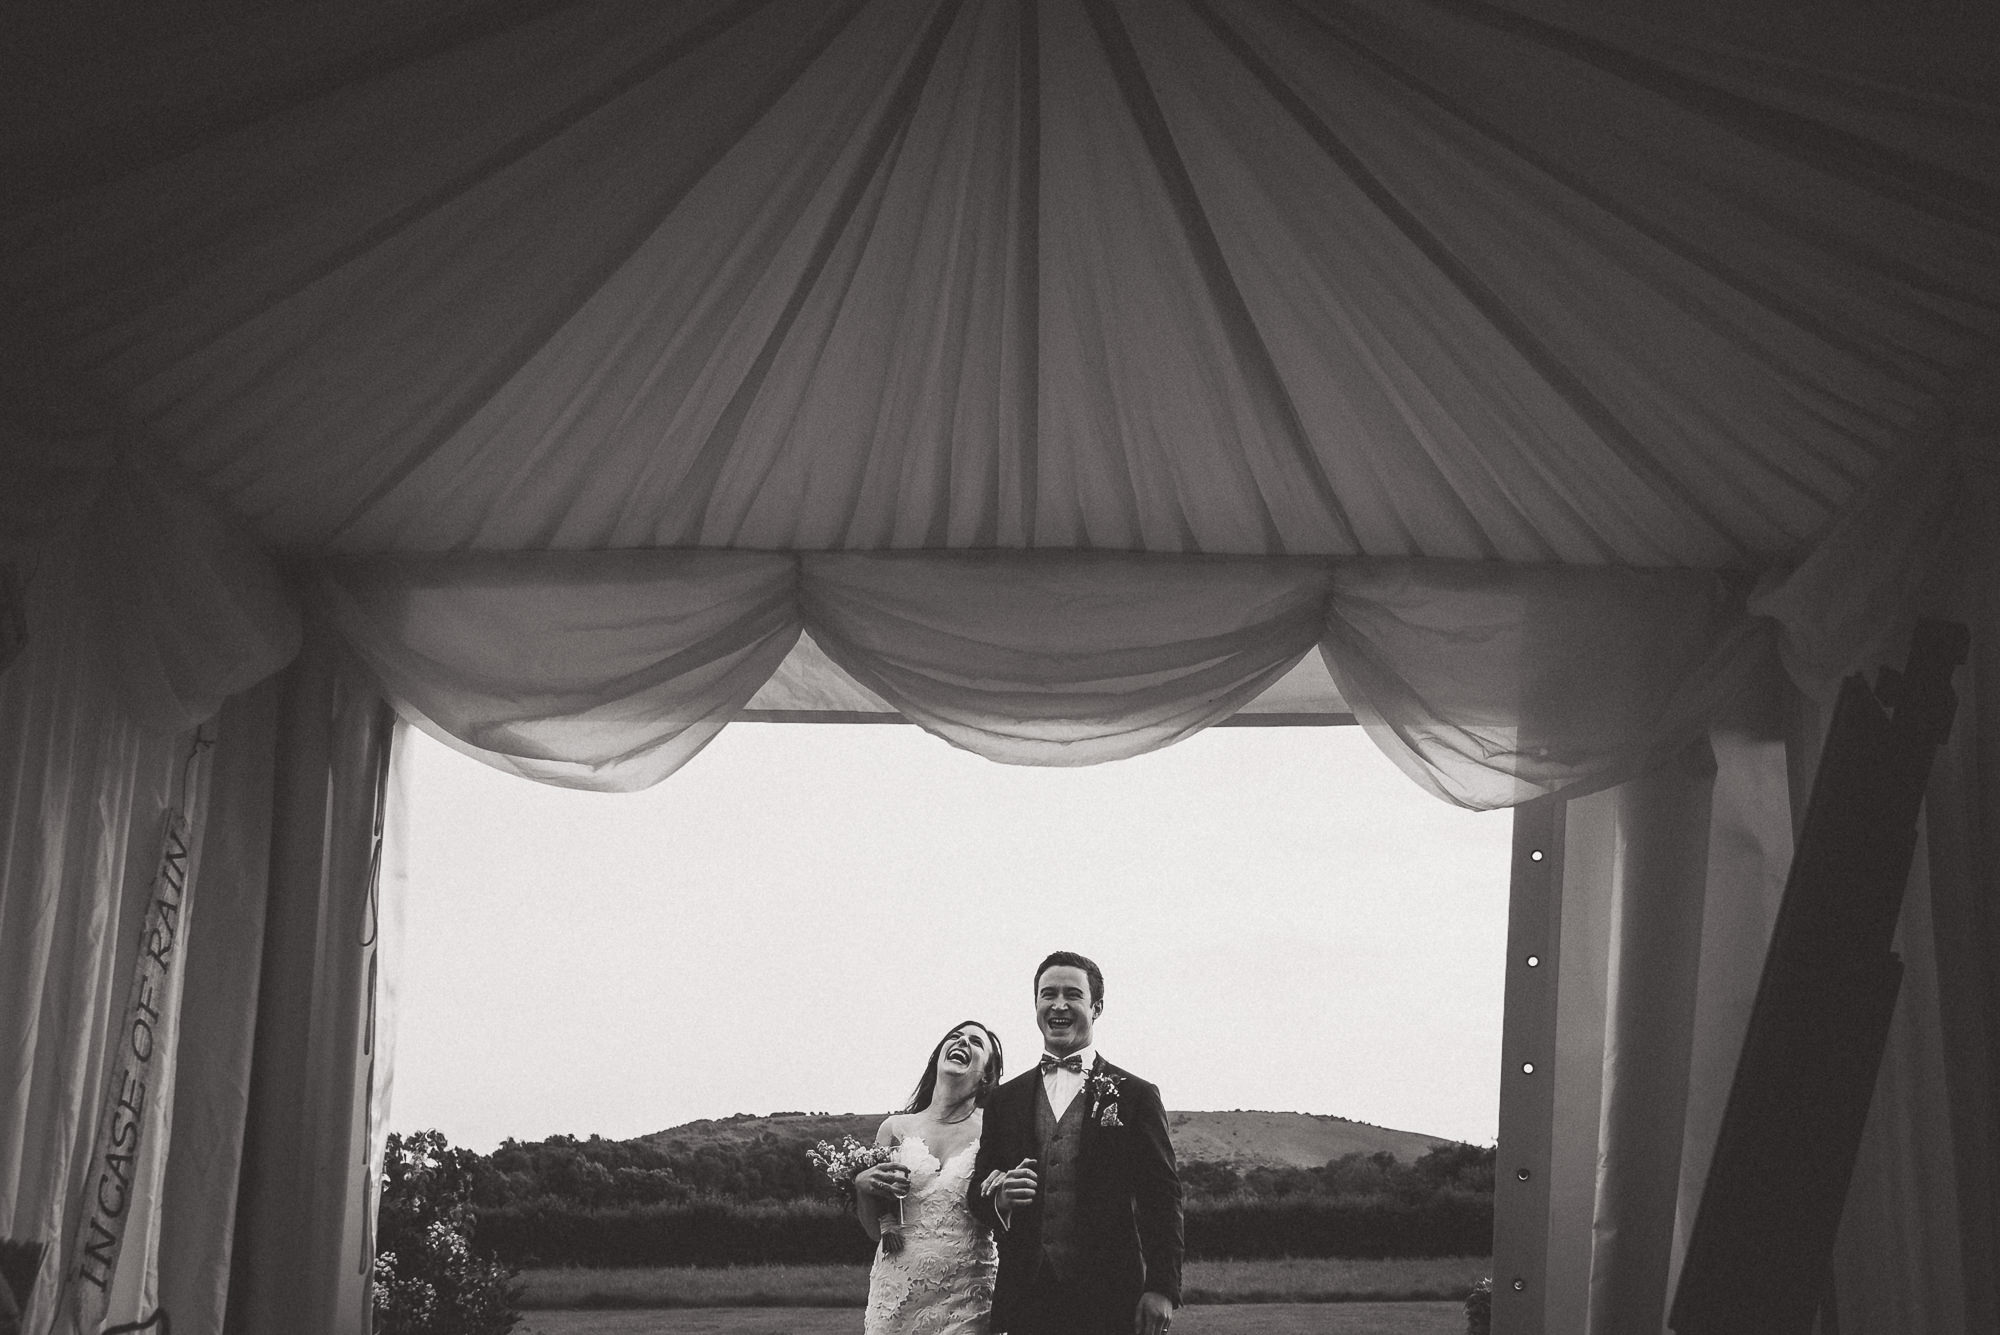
<point>1063,1086</point>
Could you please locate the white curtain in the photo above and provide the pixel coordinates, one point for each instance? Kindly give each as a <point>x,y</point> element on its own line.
<point>1931,1151</point>
<point>144,611</point>
<point>304,1226</point>
<point>86,791</point>
<point>1670,885</point>
<point>225,956</point>
<point>1668,888</point>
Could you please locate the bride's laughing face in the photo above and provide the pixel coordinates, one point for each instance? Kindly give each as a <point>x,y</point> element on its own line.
<point>965,1053</point>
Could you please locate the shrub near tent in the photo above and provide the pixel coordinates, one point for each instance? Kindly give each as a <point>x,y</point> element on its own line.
<point>430,1278</point>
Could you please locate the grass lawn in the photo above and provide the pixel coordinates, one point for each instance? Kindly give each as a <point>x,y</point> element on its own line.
<point>1232,1319</point>
<point>1205,1283</point>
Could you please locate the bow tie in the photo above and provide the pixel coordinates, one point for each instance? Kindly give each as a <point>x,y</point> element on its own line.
<point>1073,1062</point>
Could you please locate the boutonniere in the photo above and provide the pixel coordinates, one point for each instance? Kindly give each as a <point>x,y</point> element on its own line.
<point>1103,1088</point>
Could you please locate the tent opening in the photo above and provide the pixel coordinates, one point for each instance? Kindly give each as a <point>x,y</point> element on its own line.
<point>784,925</point>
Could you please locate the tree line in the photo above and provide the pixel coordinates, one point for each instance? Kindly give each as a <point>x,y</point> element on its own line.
<point>596,1173</point>
<point>570,1201</point>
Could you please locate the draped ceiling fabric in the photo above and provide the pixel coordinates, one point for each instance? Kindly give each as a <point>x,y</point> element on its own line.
<point>1059,375</point>
<point>1645,285</point>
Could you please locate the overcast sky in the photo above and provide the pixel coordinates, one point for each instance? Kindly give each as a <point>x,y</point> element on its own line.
<point>1284,921</point>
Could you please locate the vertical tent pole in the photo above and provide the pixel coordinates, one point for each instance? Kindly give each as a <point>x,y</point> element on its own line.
<point>1527,1071</point>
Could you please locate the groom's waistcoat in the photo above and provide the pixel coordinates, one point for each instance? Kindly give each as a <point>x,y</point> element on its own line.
<point>1061,1143</point>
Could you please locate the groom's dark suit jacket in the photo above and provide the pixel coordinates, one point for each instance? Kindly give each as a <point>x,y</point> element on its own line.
<point>1128,1195</point>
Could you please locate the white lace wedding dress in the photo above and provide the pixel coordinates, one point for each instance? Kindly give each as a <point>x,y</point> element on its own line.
<point>941,1282</point>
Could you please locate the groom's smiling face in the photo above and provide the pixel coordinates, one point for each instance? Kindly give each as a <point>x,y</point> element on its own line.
<point>1064,1009</point>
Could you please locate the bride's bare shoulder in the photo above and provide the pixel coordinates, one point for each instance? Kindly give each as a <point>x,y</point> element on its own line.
<point>892,1128</point>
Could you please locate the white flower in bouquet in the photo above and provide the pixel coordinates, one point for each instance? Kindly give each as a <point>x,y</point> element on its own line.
<point>842,1162</point>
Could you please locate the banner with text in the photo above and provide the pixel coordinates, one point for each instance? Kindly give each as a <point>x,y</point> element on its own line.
<point>121,1196</point>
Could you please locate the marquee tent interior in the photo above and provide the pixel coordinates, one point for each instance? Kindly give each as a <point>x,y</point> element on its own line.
<point>1570,394</point>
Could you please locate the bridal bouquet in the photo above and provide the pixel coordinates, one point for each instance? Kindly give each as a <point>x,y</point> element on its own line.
<point>841,1162</point>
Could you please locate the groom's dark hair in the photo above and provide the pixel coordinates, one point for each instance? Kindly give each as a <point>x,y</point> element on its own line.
<point>1070,959</point>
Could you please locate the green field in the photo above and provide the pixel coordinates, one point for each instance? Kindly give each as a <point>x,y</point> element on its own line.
<point>1206,1282</point>
<point>1241,1319</point>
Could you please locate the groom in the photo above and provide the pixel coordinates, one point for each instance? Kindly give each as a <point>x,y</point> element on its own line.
<point>1076,1176</point>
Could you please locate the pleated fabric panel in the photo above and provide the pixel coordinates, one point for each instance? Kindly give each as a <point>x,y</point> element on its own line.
<point>1544,283</point>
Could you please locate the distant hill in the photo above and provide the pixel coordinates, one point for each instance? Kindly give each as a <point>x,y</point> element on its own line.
<point>1241,1139</point>
<point>1287,1139</point>
<point>744,1129</point>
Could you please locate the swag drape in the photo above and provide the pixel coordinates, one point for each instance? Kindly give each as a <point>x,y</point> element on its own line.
<point>609,670</point>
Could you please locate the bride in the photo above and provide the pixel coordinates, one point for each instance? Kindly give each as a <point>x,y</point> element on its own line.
<point>939,1281</point>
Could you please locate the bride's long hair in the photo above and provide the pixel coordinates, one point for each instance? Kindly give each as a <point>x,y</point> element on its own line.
<point>988,1082</point>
